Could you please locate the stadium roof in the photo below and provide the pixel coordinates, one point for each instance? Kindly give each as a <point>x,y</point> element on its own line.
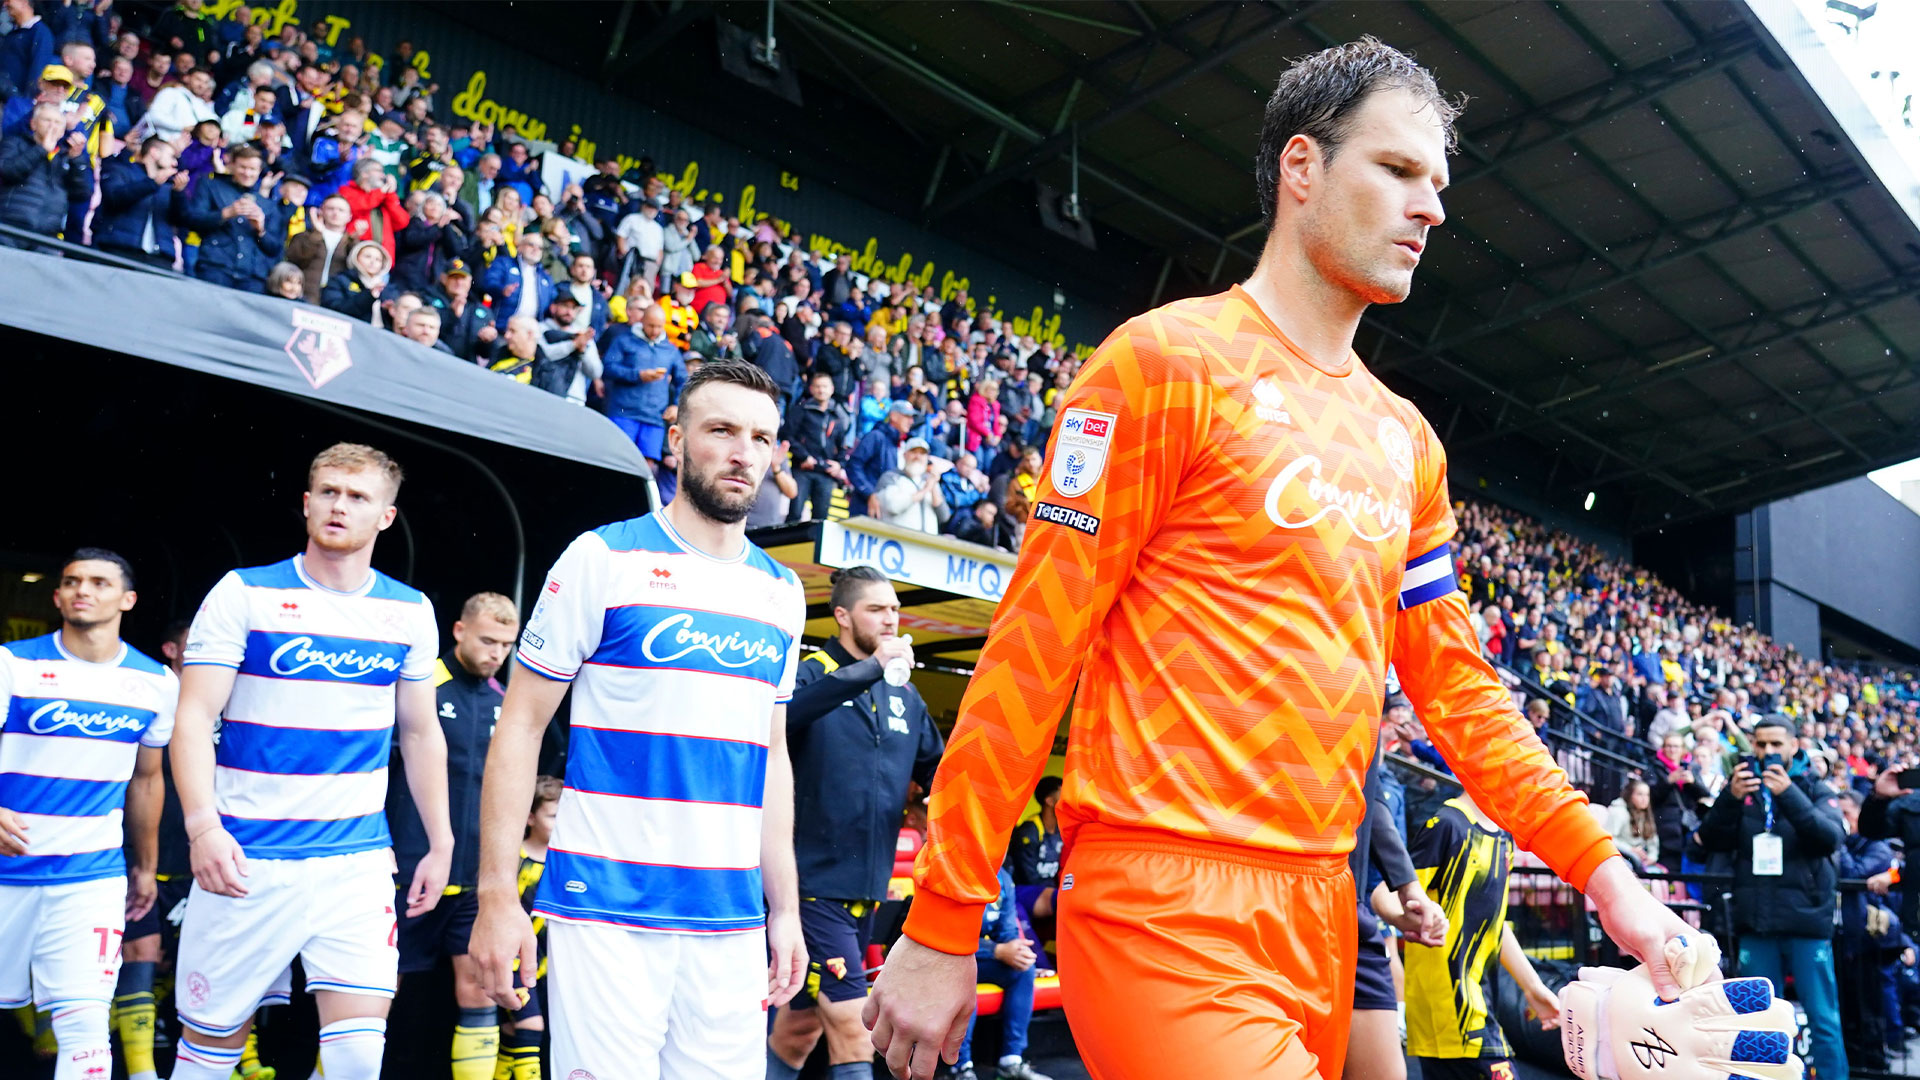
<point>1674,273</point>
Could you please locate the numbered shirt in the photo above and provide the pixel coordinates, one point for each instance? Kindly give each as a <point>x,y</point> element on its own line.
<point>72,735</point>
<point>1229,544</point>
<point>677,661</point>
<point>300,769</point>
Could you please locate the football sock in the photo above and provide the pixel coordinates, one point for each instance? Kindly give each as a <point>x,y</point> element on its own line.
<point>351,1049</point>
<point>476,1043</point>
<point>196,1062</point>
<point>779,1070</point>
<point>80,1031</point>
<point>522,1060</point>
<point>133,1015</point>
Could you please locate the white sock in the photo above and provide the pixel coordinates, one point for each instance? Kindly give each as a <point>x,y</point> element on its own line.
<point>1008,1061</point>
<point>351,1049</point>
<point>85,1053</point>
<point>144,1076</point>
<point>195,1062</point>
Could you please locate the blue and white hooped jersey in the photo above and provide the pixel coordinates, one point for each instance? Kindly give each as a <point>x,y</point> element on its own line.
<point>301,766</point>
<point>677,660</point>
<point>72,734</point>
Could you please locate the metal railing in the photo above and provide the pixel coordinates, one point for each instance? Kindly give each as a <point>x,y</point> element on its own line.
<point>33,241</point>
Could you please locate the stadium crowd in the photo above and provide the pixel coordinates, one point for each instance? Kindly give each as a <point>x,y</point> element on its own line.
<point>297,168</point>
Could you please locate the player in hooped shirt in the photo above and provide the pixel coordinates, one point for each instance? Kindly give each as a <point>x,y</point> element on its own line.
<point>1240,528</point>
<point>670,874</point>
<point>308,666</point>
<point>86,717</point>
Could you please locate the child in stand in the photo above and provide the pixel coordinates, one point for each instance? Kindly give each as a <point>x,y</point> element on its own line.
<point>520,1036</point>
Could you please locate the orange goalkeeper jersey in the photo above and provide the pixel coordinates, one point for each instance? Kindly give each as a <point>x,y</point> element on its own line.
<point>1229,545</point>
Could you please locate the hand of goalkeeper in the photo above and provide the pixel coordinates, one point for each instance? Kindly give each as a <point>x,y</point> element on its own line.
<point>1614,1027</point>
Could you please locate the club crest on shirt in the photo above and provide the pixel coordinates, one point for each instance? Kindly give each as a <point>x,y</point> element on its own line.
<point>1269,403</point>
<point>1080,450</point>
<point>1397,445</point>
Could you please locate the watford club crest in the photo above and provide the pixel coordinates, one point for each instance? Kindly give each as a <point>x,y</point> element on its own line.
<point>838,965</point>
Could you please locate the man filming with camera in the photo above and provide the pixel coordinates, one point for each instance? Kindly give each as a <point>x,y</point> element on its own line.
<point>1781,825</point>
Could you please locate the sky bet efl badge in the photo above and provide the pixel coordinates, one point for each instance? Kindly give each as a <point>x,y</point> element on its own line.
<point>1080,451</point>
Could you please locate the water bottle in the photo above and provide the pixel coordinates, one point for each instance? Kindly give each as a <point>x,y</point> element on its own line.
<point>900,669</point>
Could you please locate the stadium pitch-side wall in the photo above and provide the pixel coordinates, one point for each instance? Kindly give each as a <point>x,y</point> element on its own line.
<point>484,80</point>
<point>1850,548</point>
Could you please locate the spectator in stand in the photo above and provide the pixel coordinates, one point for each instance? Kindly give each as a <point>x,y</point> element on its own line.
<point>585,286</point>
<point>518,353</point>
<point>116,90</point>
<point>377,213</point>
<point>149,78</point>
<point>184,28</point>
<point>986,427</point>
<point>482,186</point>
<point>353,292</point>
<point>1630,820</point>
<point>951,435</point>
<point>180,105</point>
<point>979,524</point>
<point>644,371</point>
<point>964,485</point>
<point>1602,700</point>
<point>520,286</point>
<point>771,353</point>
<point>323,249</point>
<point>640,242</point>
<point>910,495</point>
<point>338,148</point>
<point>713,339</point>
<point>711,283</point>
<point>430,240</point>
<point>287,282</point>
<point>41,172</point>
<point>878,453</point>
<point>873,404</point>
<point>26,50</point>
<point>519,171</point>
<point>677,246</point>
<point>1781,829</point>
<point>141,194</point>
<point>241,229</point>
<point>465,326</point>
<point>1669,717</point>
<point>387,145</point>
<point>256,98</point>
<point>1012,524</point>
<point>816,428</point>
<point>201,157</point>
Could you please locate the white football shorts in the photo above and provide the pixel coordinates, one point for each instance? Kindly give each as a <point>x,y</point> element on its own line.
<point>62,942</point>
<point>335,913</point>
<point>642,1005</point>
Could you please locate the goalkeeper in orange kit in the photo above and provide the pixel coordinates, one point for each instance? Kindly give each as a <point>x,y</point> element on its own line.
<point>1238,528</point>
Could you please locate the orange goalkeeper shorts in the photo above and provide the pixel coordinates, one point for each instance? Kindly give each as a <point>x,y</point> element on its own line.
<point>1204,958</point>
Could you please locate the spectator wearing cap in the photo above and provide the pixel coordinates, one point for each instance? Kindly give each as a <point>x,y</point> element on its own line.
<point>241,229</point>
<point>569,360</point>
<point>354,292</point>
<point>465,325</point>
<point>431,238</point>
<point>771,353</point>
<point>909,496</point>
<point>643,372</point>
<point>244,115</point>
<point>26,50</point>
<point>377,213</point>
<point>292,190</point>
<point>55,83</point>
<point>682,315</point>
<point>323,249</point>
<point>877,453</point>
<point>518,284</point>
<point>387,144</point>
<point>41,172</point>
<point>141,192</point>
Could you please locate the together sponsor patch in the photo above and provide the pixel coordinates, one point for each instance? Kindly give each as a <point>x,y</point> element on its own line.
<point>1071,518</point>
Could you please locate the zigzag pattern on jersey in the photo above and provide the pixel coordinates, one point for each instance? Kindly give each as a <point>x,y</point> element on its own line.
<point>1240,702</point>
